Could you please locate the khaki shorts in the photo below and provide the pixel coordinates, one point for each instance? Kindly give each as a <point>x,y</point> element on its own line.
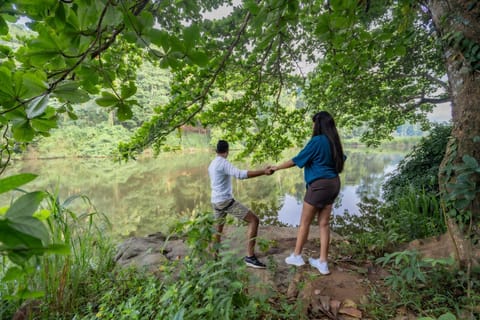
<point>230,206</point>
<point>322,192</point>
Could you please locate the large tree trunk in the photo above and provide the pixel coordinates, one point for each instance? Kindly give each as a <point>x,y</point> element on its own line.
<point>463,16</point>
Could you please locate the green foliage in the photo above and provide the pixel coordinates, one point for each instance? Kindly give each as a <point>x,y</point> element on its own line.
<point>470,48</point>
<point>416,214</point>
<point>65,280</point>
<point>354,84</point>
<point>69,53</point>
<point>197,287</point>
<point>419,169</point>
<point>25,235</point>
<point>76,141</point>
<point>431,286</point>
<point>461,189</point>
<point>412,208</point>
<point>445,316</point>
<point>420,214</point>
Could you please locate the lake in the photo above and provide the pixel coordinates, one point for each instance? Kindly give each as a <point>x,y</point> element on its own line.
<point>149,195</point>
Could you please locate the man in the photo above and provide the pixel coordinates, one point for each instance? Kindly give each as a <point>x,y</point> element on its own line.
<point>220,171</point>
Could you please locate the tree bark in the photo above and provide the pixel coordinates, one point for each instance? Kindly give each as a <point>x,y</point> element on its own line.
<point>463,16</point>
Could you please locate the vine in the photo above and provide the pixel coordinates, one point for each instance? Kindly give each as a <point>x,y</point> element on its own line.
<point>461,187</point>
<point>469,48</point>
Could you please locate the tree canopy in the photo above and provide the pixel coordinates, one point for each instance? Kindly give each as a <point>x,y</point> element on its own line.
<point>373,64</point>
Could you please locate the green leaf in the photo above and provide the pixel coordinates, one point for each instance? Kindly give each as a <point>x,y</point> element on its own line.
<point>3,26</point>
<point>23,131</point>
<point>43,125</point>
<point>108,99</point>
<point>124,112</point>
<point>30,226</point>
<point>191,35</point>
<point>128,90</point>
<point>447,316</point>
<point>252,6</point>
<point>339,22</point>
<point>159,38</point>
<point>37,106</point>
<point>13,273</point>
<point>58,248</point>
<point>400,50</point>
<point>15,181</point>
<point>199,58</point>
<point>462,204</point>
<point>470,161</point>
<point>113,16</point>
<point>72,115</point>
<point>5,52</point>
<point>130,36</point>
<point>26,205</point>
<point>19,245</point>
<point>42,214</point>
<point>28,294</point>
<point>33,84</point>
<point>6,80</point>
<point>69,91</point>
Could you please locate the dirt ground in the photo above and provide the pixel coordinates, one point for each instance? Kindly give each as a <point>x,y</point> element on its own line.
<point>335,296</point>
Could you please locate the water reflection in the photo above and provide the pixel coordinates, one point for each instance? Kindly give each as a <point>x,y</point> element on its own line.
<point>150,195</point>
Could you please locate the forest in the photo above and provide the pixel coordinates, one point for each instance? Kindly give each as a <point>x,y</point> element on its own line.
<point>126,77</point>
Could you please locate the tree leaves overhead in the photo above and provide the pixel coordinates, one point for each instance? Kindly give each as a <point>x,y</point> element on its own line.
<point>256,72</point>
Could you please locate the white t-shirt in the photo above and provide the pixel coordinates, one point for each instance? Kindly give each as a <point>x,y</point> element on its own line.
<point>220,171</point>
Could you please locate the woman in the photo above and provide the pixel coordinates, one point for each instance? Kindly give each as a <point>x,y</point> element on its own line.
<point>323,159</point>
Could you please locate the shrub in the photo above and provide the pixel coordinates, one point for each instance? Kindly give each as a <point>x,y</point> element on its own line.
<point>419,169</point>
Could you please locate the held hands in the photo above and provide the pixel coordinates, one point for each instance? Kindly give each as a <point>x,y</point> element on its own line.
<point>269,170</point>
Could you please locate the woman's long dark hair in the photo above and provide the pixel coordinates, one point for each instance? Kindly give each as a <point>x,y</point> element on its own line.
<point>324,124</point>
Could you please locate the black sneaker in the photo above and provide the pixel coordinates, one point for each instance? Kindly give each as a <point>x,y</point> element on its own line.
<point>254,263</point>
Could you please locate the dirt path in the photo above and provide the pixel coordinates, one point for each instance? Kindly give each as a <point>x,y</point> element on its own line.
<point>336,296</point>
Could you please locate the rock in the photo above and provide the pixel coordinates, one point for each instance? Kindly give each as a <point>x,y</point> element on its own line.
<point>335,306</point>
<point>325,300</point>
<point>292,291</point>
<point>364,299</point>
<point>149,252</point>
<point>28,310</point>
<point>352,312</point>
<point>348,303</point>
<point>403,314</point>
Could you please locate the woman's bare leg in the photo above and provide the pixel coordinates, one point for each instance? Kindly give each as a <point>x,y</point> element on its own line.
<point>324,224</point>
<point>308,213</point>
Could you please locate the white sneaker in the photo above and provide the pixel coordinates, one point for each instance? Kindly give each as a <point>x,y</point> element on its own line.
<point>322,266</point>
<point>295,260</point>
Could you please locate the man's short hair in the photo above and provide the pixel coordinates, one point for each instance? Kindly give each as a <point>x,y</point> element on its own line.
<point>222,146</point>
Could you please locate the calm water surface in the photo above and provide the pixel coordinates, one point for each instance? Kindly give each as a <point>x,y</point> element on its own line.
<point>149,195</point>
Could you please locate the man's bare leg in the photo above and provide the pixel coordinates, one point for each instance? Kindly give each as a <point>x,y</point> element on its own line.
<point>252,231</point>
<point>217,238</point>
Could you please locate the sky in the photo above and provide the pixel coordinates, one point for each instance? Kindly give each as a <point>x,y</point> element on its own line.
<point>442,113</point>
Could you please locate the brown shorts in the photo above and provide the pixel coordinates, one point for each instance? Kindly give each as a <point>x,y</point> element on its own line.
<point>322,192</point>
